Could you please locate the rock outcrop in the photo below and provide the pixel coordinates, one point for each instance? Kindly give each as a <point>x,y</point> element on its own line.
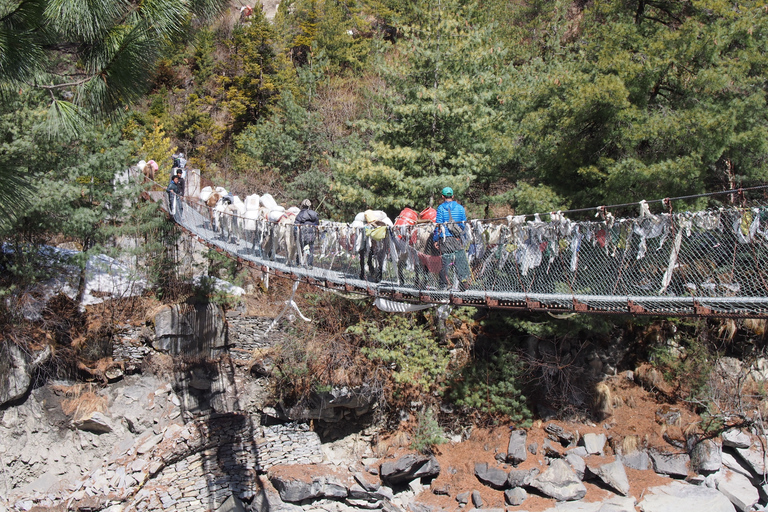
<point>17,368</point>
<point>198,442</point>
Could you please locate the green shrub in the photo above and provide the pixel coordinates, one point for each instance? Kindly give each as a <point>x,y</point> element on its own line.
<point>687,363</point>
<point>410,352</point>
<point>490,386</point>
<point>292,376</point>
<point>428,432</point>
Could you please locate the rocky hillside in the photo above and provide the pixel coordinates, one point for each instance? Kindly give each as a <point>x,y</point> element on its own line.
<point>181,422</point>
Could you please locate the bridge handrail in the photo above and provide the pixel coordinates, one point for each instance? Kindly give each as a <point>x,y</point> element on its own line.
<point>709,262</point>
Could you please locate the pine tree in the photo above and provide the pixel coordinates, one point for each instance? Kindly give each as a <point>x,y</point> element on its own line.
<point>252,76</point>
<point>644,100</point>
<point>440,110</point>
<point>90,59</point>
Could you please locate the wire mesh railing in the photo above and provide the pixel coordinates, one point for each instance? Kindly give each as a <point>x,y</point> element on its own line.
<point>706,263</point>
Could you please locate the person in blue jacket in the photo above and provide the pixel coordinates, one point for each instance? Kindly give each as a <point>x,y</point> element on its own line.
<point>450,226</point>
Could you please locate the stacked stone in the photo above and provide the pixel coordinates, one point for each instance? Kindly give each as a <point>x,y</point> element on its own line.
<point>245,334</point>
<point>203,478</point>
<point>289,444</point>
<point>204,461</point>
<point>250,333</point>
<point>128,348</point>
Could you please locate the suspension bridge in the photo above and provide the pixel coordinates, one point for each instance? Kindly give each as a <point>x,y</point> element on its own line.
<point>705,263</point>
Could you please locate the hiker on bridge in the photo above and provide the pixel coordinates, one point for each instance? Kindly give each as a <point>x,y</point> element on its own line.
<point>306,223</point>
<point>448,239</point>
<point>175,191</point>
<point>180,174</point>
<point>179,162</point>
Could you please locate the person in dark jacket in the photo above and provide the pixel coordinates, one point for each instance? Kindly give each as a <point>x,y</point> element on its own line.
<point>175,191</point>
<point>306,223</point>
<point>450,220</point>
<point>180,174</point>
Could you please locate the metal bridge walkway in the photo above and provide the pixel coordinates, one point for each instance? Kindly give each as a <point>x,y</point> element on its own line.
<point>706,263</point>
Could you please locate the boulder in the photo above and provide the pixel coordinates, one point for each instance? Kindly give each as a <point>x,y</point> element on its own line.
<point>636,460</point>
<point>296,490</point>
<point>594,443</point>
<point>521,477</point>
<point>614,476</point>
<point>705,456</point>
<point>735,438</point>
<point>560,482</point>
<point>94,422</point>
<point>672,464</point>
<point>267,500</point>
<point>16,369</point>
<point>516,449</point>
<point>409,467</point>
<point>679,496</point>
<point>359,398</point>
<point>183,329</point>
<point>738,489</point>
<point>753,458</point>
<point>516,496</point>
<point>492,477</point>
<point>577,463</point>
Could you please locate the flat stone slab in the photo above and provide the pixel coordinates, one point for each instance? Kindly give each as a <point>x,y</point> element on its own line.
<point>516,449</point>
<point>560,482</point>
<point>738,489</point>
<point>672,464</point>
<point>736,439</point>
<point>636,460</point>
<point>680,496</point>
<point>594,443</point>
<point>754,459</point>
<point>613,475</point>
<point>613,504</point>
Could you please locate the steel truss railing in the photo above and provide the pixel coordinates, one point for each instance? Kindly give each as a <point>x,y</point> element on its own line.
<point>706,263</point>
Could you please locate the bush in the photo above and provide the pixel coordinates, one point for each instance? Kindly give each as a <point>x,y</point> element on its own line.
<point>428,432</point>
<point>686,361</point>
<point>411,354</point>
<point>490,386</point>
<point>293,377</point>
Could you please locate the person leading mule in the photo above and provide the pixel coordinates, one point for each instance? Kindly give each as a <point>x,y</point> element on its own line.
<point>451,218</point>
